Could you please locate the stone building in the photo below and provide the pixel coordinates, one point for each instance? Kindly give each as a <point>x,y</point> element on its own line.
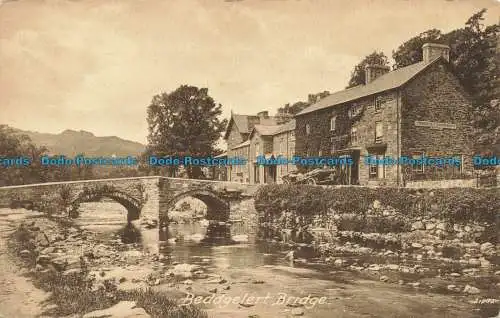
<point>271,142</point>
<point>249,136</point>
<point>420,109</point>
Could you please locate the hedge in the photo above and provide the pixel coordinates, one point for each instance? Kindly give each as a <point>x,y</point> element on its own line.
<point>458,205</point>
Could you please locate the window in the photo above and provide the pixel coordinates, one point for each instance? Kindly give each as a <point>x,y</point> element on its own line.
<point>282,146</point>
<point>292,135</point>
<point>376,167</point>
<point>418,167</point>
<point>379,132</point>
<point>378,103</point>
<point>354,135</point>
<point>257,152</point>
<point>333,121</point>
<point>354,110</point>
<point>308,129</point>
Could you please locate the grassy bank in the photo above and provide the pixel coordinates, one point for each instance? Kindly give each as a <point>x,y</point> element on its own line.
<point>76,292</point>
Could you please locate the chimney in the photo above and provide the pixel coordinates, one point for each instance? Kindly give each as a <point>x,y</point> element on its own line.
<point>263,114</point>
<point>432,51</point>
<point>374,71</point>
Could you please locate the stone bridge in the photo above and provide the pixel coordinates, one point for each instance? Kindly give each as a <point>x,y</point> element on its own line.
<point>145,198</point>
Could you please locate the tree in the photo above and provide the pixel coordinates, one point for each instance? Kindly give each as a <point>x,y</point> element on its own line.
<point>14,145</point>
<point>183,122</point>
<point>300,105</point>
<point>474,58</point>
<point>358,74</point>
<point>410,52</point>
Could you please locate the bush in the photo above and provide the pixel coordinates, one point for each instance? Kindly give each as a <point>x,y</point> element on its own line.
<point>456,205</point>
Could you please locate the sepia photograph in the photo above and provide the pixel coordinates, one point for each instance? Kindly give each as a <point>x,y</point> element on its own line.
<point>249,158</point>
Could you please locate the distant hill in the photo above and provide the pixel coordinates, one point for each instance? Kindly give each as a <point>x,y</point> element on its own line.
<point>72,142</point>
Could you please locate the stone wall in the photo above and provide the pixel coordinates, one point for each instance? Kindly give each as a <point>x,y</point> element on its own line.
<point>233,139</point>
<point>283,144</point>
<point>321,139</point>
<point>436,96</point>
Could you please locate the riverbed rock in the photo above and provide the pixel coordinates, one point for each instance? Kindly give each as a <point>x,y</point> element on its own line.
<point>416,245</point>
<point>419,225</point>
<point>243,238</point>
<point>195,237</point>
<point>41,240</point>
<point>25,253</point>
<point>393,267</point>
<point>339,262</point>
<point>124,309</point>
<point>453,288</point>
<point>182,269</point>
<point>384,278</point>
<point>430,226</point>
<point>297,311</point>
<point>487,248</point>
<point>474,262</point>
<point>471,290</point>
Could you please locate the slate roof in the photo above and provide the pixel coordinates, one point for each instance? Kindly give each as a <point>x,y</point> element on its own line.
<point>266,130</point>
<point>288,126</point>
<point>245,123</point>
<point>385,82</point>
<point>243,144</point>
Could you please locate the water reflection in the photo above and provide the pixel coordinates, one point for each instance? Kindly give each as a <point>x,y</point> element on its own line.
<point>213,247</point>
<point>130,234</point>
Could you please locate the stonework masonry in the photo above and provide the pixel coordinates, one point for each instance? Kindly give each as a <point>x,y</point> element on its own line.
<point>158,195</point>
<point>432,95</point>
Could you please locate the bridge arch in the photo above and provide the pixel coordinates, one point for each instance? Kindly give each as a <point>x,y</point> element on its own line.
<point>130,203</point>
<point>217,207</point>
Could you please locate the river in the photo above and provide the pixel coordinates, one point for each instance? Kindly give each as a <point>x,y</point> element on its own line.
<point>259,269</point>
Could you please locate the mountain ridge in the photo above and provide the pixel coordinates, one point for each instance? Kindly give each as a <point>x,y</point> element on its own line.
<point>72,142</point>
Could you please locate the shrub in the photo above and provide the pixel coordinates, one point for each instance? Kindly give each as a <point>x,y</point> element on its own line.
<point>456,205</point>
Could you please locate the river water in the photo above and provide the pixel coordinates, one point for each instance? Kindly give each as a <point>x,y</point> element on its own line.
<point>187,247</point>
<point>260,269</point>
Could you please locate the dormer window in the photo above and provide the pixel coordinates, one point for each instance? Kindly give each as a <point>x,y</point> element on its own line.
<point>333,121</point>
<point>308,129</point>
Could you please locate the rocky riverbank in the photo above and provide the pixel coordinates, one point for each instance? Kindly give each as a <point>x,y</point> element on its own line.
<point>86,275</point>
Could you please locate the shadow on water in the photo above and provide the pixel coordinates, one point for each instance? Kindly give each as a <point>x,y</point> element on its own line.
<point>129,234</point>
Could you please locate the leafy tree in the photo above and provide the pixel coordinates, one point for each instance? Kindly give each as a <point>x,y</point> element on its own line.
<point>185,121</point>
<point>13,145</point>
<point>410,52</point>
<point>300,105</point>
<point>475,58</point>
<point>358,74</point>
<point>81,172</point>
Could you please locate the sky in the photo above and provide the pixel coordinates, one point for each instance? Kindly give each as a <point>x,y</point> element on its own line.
<point>95,65</point>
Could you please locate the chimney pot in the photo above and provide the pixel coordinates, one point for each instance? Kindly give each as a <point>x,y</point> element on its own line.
<point>431,51</point>
<point>374,71</point>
